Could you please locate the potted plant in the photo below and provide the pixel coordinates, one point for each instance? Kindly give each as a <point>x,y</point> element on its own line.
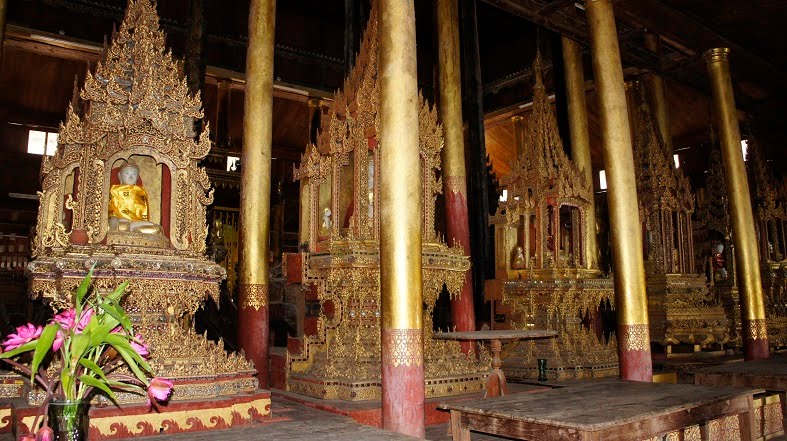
<point>83,348</point>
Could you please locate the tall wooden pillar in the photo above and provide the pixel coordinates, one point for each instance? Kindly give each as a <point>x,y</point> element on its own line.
<point>256,188</point>
<point>657,95</point>
<point>195,60</point>
<point>631,301</point>
<point>400,226</point>
<point>477,174</point>
<point>755,335</point>
<point>221,129</point>
<point>454,177</point>
<point>580,136</point>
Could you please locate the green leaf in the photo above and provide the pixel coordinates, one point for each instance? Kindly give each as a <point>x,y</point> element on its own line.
<point>79,345</point>
<point>133,360</point>
<point>100,333</point>
<point>82,290</point>
<point>90,381</point>
<point>43,346</point>
<point>90,364</point>
<point>126,386</point>
<point>118,292</point>
<point>117,314</point>
<point>27,347</point>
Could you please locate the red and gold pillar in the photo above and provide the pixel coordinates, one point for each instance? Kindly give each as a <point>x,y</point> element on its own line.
<point>580,136</point>
<point>256,188</point>
<point>454,177</point>
<point>631,301</point>
<point>400,226</point>
<point>755,335</point>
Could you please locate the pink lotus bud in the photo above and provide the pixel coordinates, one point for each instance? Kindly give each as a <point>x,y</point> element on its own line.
<point>45,433</point>
<point>24,334</point>
<point>141,348</point>
<point>159,390</point>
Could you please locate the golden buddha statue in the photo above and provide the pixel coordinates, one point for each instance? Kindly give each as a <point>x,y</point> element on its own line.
<point>128,203</point>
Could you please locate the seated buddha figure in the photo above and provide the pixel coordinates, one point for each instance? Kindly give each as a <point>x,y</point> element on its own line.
<point>128,204</point>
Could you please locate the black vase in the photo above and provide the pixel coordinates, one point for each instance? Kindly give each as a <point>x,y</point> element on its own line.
<point>69,419</point>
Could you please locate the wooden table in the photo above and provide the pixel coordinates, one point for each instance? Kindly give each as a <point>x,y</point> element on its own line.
<point>606,410</point>
<point>496,381</point>
<point>770,375</point>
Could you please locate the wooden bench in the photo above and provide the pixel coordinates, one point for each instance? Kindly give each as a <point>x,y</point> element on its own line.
<point>770,375</point>
<point>606,410</point>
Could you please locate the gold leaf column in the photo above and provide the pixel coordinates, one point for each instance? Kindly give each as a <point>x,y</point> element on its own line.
<point>755,336</point>
<point>625,231</point>
<point>400,227</point>
<point>256,187</point>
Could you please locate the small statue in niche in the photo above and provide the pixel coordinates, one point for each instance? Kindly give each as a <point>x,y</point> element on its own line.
<point>128,203</point>
<point>519,259</point>
<point>717,262</point>
<point>326,221</point>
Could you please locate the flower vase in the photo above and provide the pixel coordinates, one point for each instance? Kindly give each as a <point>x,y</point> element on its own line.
<point>69,419</point>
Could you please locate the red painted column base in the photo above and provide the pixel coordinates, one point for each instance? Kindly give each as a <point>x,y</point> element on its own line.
<point>253,339</point>
<point>634,356</point>
<point>403,389</point>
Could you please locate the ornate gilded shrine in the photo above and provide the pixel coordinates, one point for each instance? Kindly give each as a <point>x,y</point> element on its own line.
<point>680,307</point>
<point>340,209</point>
<point>547,279</point>
<point>769,201</point>
<point>125,194</point>
<point>713,241</point>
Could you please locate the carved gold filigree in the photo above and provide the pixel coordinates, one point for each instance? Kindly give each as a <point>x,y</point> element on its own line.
<point>756,329</point>
<point>135,104</point>
<point>634,337</point>
<point>341,173</point>
<point>405,347</point>
<point>253,296</point>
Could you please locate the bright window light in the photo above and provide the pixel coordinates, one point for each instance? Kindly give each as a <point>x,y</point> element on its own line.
<point>41,143</point>
<point>602,179</point>
<point>676,158</point>
<point>233,162</point>
<point>504,196</point>
<point>744,148</point>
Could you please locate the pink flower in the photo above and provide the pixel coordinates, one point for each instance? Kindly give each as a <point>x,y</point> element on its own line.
<point>45,433</point>
<point>84,321</point>
<point>141,347</point>
<point>24,334</point>
<point>159,390</point>
<point>66,319</point>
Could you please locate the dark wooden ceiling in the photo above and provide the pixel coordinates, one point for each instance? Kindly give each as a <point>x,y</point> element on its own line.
<point>310,50</point>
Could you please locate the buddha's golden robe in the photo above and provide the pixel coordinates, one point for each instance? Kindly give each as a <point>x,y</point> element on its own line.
<point>128,202</point>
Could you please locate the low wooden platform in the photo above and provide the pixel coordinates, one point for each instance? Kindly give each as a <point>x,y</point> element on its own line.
<point>771,375</point>
<point>609,410</point>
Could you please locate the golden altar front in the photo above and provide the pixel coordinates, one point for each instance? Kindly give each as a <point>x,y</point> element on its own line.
<point>341,222</point>
<point>546,278</point>
<point>681,309</point>
<point>134,119</point>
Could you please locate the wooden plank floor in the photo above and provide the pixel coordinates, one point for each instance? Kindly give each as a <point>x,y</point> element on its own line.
<point>294,421</point>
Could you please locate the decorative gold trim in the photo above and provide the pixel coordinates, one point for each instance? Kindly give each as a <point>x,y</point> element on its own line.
<point>253,295</point>
<point>757,329</point>
<point>634,337</point>
<point>456,185</point>
<point>716,54</point>
<point>405,347</point>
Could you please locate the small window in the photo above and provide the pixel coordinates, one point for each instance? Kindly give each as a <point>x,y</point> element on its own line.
<point>745,148</point>
<point>602,179</point>
<point>233,163</point>
<point>504,196</point>
<point>676,158</point>
<point>41,143</point>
